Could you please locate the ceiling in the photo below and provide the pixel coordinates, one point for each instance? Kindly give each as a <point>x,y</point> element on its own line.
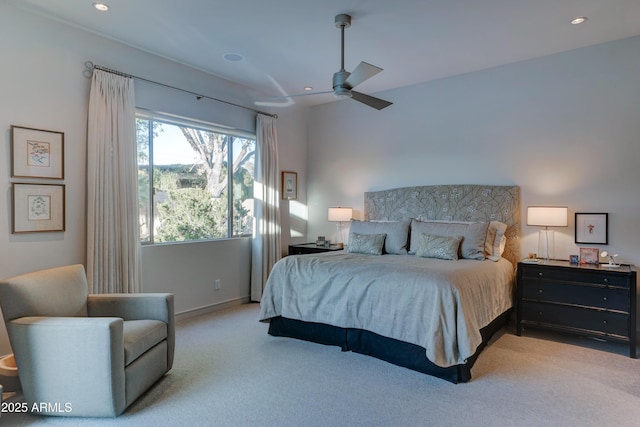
<point>290,44</point>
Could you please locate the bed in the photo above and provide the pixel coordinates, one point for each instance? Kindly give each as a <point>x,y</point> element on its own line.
<point>427,278</point>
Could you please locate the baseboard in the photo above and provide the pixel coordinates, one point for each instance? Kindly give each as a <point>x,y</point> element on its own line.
<point>188,314</point>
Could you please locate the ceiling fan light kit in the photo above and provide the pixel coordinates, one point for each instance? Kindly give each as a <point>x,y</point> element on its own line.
<point>339,88</point>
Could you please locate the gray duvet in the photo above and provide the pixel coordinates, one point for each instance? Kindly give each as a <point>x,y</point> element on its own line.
<point>437,304</point>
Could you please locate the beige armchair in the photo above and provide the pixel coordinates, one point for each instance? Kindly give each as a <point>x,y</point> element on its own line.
<point>85,355</point>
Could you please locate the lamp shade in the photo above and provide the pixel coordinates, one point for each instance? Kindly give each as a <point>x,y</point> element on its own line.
<point>340,214</point>
<point>547,216</point>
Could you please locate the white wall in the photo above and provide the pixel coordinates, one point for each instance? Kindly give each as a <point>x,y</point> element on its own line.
<point>189,271</point>
<point>564,128</point>
<point>292,152</point>
<point>42,86</point>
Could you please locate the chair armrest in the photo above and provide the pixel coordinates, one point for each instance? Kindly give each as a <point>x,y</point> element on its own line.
<point>77,359</point>
<point>154,306</point>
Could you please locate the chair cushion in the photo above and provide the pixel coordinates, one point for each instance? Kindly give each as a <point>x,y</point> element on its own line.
<point>140,336</point>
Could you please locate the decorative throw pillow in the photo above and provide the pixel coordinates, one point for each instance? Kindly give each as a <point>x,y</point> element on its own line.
<point>474,235</point>
<point>442,247</point>
<point>369,244</point>
<point>397,233</point>
<point>494,246</point>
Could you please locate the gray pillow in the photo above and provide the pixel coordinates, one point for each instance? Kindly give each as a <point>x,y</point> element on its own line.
<point>369,244</point>
<point>397,233</point>
<point>474,235</point>
<point>442,247</point>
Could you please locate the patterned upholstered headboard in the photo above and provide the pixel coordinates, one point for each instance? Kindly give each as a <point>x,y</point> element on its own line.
<point>454,203</point>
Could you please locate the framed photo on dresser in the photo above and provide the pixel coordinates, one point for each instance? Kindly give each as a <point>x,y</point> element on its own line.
<point>589,256</point>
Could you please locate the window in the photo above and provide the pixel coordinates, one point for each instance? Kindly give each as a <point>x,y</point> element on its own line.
<point>185,179</point>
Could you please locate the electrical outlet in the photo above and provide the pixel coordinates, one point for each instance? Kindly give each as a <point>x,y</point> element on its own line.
<point>216,284</point>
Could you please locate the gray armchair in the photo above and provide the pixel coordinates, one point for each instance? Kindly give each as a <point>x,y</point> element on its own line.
<point>86,355</point>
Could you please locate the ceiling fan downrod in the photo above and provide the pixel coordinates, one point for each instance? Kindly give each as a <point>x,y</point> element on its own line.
<point>339,90</point>
<point>342,21</point>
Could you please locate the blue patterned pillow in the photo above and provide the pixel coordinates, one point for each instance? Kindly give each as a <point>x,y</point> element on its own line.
<point>442,247</point>
<point>369,244</point>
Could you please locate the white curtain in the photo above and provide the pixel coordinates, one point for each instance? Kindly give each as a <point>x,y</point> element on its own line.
<point>113,235</point>
<point>266,230</point>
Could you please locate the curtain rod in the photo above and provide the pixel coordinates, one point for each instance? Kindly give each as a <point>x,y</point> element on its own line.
<point>90,67</point>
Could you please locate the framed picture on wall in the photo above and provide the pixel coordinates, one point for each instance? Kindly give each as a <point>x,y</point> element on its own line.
<point>37,153</point>
<point>289,185</point>
<point>592,228</point>
<point>38,208</point>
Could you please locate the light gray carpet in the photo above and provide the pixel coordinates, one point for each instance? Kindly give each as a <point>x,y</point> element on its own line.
<point>229,372</point>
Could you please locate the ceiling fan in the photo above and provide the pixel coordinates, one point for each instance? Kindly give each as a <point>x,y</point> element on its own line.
<point>344,81</point>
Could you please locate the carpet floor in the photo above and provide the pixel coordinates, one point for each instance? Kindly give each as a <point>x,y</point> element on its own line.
<point>229,372</point>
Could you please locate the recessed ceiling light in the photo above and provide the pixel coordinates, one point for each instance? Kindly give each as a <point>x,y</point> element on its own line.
<point>102,7</point>
<point>233,57</point>
<point>579,20</point>
<point>308,88</point>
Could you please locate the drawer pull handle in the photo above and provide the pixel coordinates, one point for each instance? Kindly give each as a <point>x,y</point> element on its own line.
<point>540,274</point>
<point>539,313</point>
<point>539,291</point>
<point>604,322</point>
<point>606,280</point>
<point>604,298</point>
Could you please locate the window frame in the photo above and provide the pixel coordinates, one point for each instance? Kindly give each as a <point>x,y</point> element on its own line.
<point>170,119</point>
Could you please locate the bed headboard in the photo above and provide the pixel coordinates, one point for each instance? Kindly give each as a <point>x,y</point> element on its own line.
<point>453,203</point>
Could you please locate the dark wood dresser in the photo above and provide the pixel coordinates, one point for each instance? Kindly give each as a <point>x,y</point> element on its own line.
<point>588,300</point>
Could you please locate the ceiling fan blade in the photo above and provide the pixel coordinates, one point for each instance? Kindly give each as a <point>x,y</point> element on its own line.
<point>369,100</point>
<point>285,100</point>
<point>363,71</point>
<point>301,94</point>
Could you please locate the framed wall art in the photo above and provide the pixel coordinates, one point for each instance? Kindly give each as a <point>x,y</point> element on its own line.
<point>37,153</point>
<point>592,228</point>
<point>38,208</point>
<point>289,185</point>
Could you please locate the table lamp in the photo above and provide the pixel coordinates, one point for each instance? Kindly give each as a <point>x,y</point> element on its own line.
<point>547,216</point>
<point>340,215</point>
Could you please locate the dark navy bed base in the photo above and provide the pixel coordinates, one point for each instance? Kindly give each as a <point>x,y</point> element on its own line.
<point>388,349</point>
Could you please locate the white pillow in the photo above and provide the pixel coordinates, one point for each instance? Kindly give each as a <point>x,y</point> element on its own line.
<point>494,246</point>
<point>474,235</point>
<point>397,233</point>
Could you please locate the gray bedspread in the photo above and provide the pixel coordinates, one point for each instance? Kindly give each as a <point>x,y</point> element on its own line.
<point>437,304</point>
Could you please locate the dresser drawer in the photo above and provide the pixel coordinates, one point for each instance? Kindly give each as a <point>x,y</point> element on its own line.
<point>576,317</point>
<point>567,275</point>
<point>566,293</point>
<point>588,300</point>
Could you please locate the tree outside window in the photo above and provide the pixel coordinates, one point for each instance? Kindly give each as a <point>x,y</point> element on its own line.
<point>195,183</point>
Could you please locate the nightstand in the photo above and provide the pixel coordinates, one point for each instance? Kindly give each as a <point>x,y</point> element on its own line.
<point>588,300</point>
<point>311,248</point>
